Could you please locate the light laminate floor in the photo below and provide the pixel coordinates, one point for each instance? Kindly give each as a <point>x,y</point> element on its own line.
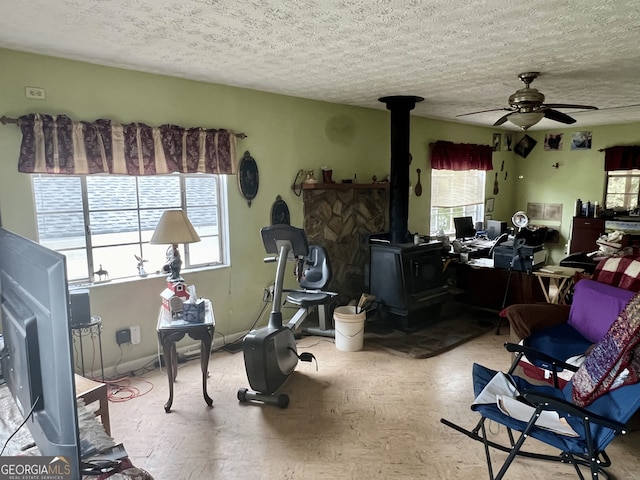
<point>361,415</point>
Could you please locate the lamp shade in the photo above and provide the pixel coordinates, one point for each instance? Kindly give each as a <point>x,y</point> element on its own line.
<point>526,119</point>
<point>174,227</point>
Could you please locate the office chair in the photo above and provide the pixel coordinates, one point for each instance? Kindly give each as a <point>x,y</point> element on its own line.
<point>313,274</point>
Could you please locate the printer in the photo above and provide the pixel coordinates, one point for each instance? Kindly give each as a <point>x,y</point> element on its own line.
<point>527,258</point>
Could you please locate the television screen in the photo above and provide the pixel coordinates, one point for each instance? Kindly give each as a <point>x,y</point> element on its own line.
<point>464,227</point>
<point>37,359</point>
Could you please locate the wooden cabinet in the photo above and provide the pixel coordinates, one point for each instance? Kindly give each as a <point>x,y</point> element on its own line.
<point>584,233</point>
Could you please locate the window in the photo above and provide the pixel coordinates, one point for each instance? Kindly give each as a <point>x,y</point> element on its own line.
<point>104,222</point>
<point>623,189</point>
<point>456,194</point>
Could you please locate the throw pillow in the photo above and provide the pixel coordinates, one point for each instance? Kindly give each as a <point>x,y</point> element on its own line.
<point>616,352</point>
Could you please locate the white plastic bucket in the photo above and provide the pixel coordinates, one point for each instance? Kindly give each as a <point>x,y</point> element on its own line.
<point>349,328</point>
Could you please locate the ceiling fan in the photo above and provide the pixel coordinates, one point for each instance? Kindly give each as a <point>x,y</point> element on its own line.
<point>527,107</point>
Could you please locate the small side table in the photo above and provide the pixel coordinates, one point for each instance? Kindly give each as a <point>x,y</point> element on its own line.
<point>171,330</point>
<point>92,329</point>
<point>560,282</point>
<point>90,392</point>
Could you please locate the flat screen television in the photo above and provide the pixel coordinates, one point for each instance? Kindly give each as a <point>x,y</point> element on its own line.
<point>37,358</point>
<point>464,227</point>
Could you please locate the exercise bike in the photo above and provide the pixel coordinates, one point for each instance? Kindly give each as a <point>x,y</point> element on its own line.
<point>270,354</point>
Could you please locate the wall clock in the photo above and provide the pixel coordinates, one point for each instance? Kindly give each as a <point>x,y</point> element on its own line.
<point>248,179</point>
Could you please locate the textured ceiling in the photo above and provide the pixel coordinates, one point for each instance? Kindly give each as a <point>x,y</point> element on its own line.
<point>460,55</point>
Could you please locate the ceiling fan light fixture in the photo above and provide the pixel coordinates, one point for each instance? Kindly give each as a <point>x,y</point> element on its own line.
<point>525,120</point>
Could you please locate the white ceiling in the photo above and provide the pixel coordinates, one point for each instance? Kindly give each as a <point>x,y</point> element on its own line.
<point>460,55</point>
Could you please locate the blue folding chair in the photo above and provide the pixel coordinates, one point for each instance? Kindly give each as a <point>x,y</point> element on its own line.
<point>596,426</point>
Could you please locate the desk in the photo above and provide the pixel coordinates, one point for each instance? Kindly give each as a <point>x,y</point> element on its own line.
<point>484,286</point>
<point>171,330</point>
<point>92,329</point>
<point>90,391</point>
<point>560,282</point>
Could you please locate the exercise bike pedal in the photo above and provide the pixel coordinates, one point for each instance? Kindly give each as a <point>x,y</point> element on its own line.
<point>281,400</point>
<point>306,357</point>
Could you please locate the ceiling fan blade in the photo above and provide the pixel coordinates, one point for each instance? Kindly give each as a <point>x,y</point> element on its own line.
<point>631,105</point>
<point>567,105</point>
<point>502,119</point>
<point>558,116</point>
<point>485,111</point>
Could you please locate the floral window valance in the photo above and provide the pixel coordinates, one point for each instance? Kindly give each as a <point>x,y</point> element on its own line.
<point>460,156</point>
<point>58,145</point>
<point>622,158</point>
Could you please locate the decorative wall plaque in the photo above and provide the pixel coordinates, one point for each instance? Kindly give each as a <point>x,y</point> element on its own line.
<point>280,212</point>
<point>248,179</point>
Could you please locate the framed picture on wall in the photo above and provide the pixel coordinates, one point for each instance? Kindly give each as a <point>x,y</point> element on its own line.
<point>488,208</point>
<point>508,142</point>
<point>525,145</point>
<point>535,211</point>
<point>553,141</point>
<point>581,141</point>
<point>497,138</point>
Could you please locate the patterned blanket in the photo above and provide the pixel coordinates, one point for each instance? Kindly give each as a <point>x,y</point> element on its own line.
<point>614,361</point>
<point>92,434</point>
<point>621,272</point>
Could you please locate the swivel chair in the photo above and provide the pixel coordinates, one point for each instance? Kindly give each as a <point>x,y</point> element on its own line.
<point>313,273</point>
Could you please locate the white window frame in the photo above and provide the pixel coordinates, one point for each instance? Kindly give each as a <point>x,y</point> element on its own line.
<point>141,243</point>
<point>442,215</point>
<point>630,195</point>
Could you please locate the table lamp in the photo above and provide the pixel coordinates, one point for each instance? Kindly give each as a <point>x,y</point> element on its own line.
<point>173,228</point>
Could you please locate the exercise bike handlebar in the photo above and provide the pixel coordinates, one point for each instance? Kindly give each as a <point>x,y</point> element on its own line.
<point>275,318</point>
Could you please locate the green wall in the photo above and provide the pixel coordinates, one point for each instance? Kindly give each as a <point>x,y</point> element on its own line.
<point>580,174</point>
<point>285,134</point>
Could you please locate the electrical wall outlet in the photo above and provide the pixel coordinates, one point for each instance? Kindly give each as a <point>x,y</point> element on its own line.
<point>35,92</point>
<point>123,336</point>
<point>135,334</point>
<point>267,295</point>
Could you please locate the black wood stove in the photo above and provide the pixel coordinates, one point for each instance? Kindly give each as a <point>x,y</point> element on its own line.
<point>406,279</point>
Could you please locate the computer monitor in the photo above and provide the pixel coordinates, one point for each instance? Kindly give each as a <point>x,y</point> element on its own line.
<point>464,227</point>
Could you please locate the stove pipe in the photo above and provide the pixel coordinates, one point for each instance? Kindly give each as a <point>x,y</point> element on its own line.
<point>400,106</point>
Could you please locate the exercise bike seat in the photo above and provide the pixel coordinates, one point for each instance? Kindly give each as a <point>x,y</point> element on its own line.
<point>315,275</point>
<point>313,278</point>
<point>308,298</point>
